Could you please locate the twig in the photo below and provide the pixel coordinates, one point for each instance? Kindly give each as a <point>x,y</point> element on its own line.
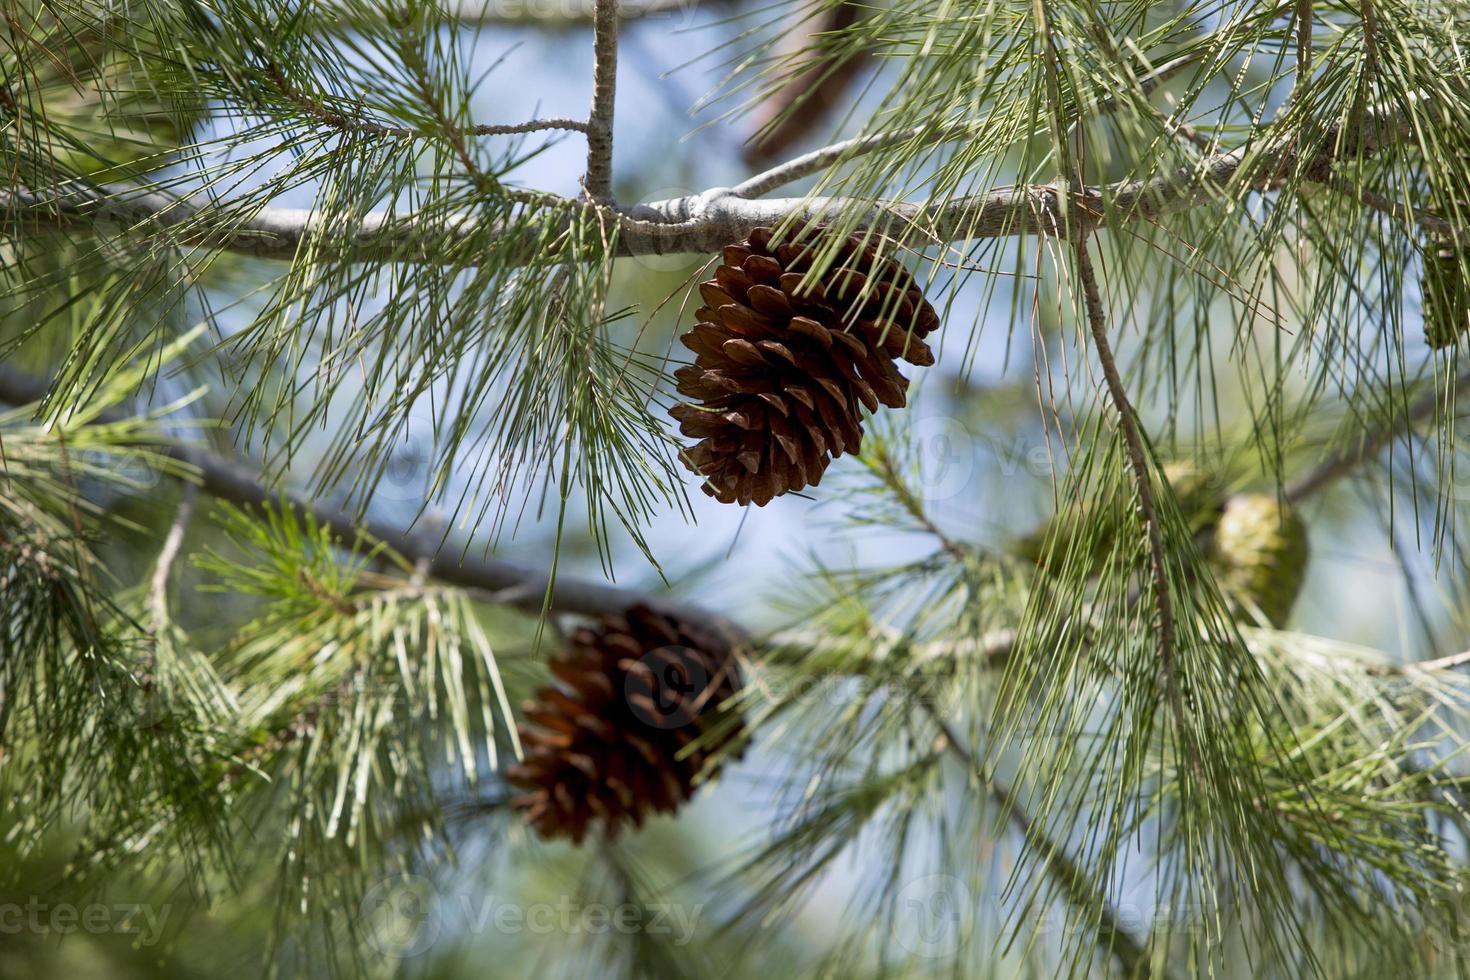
<point>1077,888</point>
<point>992,649</point>
<point>1345,460</point>
<point>1442,663</point>
<point>1151,81</point>
<point>822,159</point>
<point>826,157</point>
<point>428,92</point>
<point>1303,49</point>
<point>1138,465</point>
<point>889,475</point>
<point>604,92</point>
<point>359,124</point>
<point>173,543</point>
<point>1404,212</point>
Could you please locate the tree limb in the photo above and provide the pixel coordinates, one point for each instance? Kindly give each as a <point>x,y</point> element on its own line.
<point>510,583</point>
<point>700,223</point>
<point>1346,459</point>
<point>559,13</point>
<point>799,106</point>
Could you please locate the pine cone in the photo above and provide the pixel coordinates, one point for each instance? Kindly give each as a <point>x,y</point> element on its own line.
<point>784,366</point>
<point>639,689</point>
<point>1261,552</point>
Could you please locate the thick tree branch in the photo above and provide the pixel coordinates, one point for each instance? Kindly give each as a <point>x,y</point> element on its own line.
<point>702,223</point>
<point>799,106</point>
<point>561,13</point>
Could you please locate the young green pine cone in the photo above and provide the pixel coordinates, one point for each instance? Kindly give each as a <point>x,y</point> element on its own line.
<point>1260,554</point>
<point>785,363</point>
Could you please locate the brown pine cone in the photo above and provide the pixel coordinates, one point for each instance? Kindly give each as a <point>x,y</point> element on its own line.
<point>638,690</point>
<point>784,367</point>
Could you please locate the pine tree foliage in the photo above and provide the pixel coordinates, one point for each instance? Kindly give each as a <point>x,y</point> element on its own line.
<point>249,245</point>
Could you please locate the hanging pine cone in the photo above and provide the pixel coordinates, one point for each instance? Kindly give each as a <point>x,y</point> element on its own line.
<point>785,363</point>
<point>606,748</point>
<point>1260,553</point>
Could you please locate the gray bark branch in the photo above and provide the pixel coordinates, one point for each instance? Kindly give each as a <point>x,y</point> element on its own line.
<point>604,95</point>
<point>700,223</point>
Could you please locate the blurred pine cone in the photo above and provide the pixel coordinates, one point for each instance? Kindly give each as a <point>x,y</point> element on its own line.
<point>785,363</point>
<point>1260,552</point>
<point>605,748</point>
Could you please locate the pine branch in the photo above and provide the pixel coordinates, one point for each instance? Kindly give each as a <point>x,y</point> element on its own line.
<point>505,582</point>
<point>1371,443</point>
<point>799,106</point>
<point>1399,211</point>
<point>700,223</point>
<point>362,125</point>
<point>173,544</point>
<point>561,13</point>
<point>1138,465</point>
<point>823,159</point>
